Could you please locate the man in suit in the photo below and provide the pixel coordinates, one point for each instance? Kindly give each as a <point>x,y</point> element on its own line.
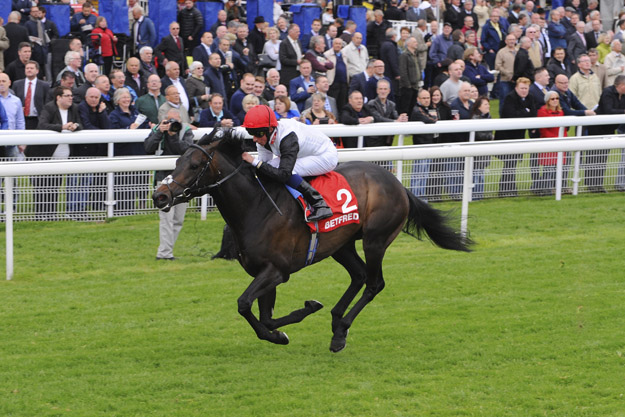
<point>414,13</point>
<point>143,30</point>
<point>372,84</point>
<point>271,82</point>
<point>246,49</point>
<point>203,50</point>
<point>467,10</point>
<point>538,89</point>
<point>134,78</point>
<point>147,61</point>
<point>315,28</point>
<point>355,113</point>
<point>383,110</point>
<point>523,66</point>
<point>215,76</point>
<point>359,81</point>
<point>322,86</point>
<point>44,30</point>
<point>257,36</point>
<point>39,90</point>
<point>576,44</point>
<point>290,55</point>
<point>173,78</point>
<point>171,48</point>
<point>16,34</point>
<point>453,15</point>
<point>592,37</point>
<point>389,54</point>
<point>221,21</point>
<point>45,193</point>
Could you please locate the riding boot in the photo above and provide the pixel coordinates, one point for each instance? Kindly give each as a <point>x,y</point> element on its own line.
<point>320,208</point>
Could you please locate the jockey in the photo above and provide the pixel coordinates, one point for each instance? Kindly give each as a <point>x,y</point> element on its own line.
<point>301,151</point>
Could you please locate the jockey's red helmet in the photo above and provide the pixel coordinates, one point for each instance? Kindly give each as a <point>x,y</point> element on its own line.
<point>260,116</point>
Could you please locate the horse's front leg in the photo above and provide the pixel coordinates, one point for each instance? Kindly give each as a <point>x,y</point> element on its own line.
<point>268,301</point>
<point>263,284</point>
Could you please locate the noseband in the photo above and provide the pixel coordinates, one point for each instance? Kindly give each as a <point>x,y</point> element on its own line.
<point>194,188</point>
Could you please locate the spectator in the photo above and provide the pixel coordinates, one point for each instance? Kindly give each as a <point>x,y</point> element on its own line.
<point>548,161</point>
<point>614,62</point>
<point>91,73</point>
<point>217,113</point>
<point>164,140</point>
<point>393,12</point>
<point>598,68</point>
<point>118,80</point>
<point>568,101</point>
<point>337,77</point>
<point>389,55</point>
<point>281,91</point>
<point>355,113</point>
<point>103,84</point>
<point>143,30</point>
<point>422,112</point>
<point>221,22</point>
<point>171,48</point>
<point>355,55</point>
<point>303,86</point>
<point>191,24</point>
<point>173,78</point>
<point>196,89</point>
<point>327,18</point>
<point>72,62</point>
<point>348,32</point>
<point>233,11</point>
<point>437,167</point>
<point>585,84</point>
<point>14,113</point>
<point>147,61</point>
<point>315,28</point>
<point>203,50</point>
<point>461,106</point>
<point>440,45</point>
<point>246,87</point>
<point>477,73</point>
<point>134,78</point>
<point>322,86</point>
<point>272,47</point>
<point>285,109</point>
<point>359,81</point>
<point>16,69</point>
<point>481,111</point>
<point>576,44</point>
<point>482,10</point>
<point>523,65</point>
<point>372,83</point>
<point>492,36</point>
<point>22,7</point>
<point>172,94</point>
<point>273,80</point>
<point>466,13</point>
<point>414,13</point>
<point>83,22</point>
<point>33,93</point>
<point>93,116</point>
<point>376,32</point>
<point>213,75</point>
<point>409,76</point>
<point>592,33</point>
<point>604,46</point>
<point>558,64</point>
<point>329,37</point>
<point>149,103</point>
<point>41,31</point>
<point>612,101</point>
<point>453,14</point>
<point>283,28</point>
<point>103,37</point>
<point>60,115</point>
<point>290,55</point>
<point>556,30</point>
<point>319,62</point>
<point>535,50</point>
<point>246,49</point>
<point>450,88</point>
<point>247,103</point>
<point>16,34</point>
<point>383,110</point>
<point>456,50</point>
<point>516,104</point>
<point>317,113</point>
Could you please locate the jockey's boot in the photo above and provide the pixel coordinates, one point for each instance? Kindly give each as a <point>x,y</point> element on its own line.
<point>320,208</point>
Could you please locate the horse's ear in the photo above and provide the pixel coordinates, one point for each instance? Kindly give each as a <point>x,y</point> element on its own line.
<point>216,134</point>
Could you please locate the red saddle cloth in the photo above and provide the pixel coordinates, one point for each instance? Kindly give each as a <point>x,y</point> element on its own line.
<point>339,196</point>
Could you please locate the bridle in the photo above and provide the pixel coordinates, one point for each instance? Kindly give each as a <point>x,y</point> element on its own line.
<point>195,188</point>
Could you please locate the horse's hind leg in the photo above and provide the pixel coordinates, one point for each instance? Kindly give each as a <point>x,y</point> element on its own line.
<point>349,259</point>
<point>266,304</point>
<point>263,284</point>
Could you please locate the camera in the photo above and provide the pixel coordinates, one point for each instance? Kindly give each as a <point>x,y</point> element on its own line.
<point>174,125</point>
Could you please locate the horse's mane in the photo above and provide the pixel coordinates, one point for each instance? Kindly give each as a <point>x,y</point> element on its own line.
<point>227,141</point>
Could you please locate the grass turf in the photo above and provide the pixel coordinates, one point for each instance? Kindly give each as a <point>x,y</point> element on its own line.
<point>530,324</point>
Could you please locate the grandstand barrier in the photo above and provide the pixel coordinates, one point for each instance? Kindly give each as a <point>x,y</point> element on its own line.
<point>462,153</point>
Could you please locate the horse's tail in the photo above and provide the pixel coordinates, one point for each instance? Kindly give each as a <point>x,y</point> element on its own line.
<point>423,218</point>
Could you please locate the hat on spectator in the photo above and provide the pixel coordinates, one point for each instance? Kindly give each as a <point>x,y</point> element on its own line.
<point>259,19</point>
<point>447,24</point>
<point>570,9</point>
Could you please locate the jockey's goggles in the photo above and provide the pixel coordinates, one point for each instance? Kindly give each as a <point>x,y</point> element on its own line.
<point>257,131</point>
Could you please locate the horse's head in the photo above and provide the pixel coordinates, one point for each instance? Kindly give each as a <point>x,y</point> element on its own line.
<point>203,166</point>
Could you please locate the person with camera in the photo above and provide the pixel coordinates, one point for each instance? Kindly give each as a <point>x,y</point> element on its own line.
<point>169,137</point>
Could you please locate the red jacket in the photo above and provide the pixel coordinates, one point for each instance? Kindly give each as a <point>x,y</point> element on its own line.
<point>549,158</point>
<point>105,40</point>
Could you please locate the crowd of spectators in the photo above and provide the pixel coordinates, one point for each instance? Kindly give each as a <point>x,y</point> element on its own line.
<point>446,64</point>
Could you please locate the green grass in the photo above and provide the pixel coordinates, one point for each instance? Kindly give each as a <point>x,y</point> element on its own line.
<point>530,324</point>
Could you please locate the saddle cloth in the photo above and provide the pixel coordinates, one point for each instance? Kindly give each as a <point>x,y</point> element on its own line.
<point>338,195</point>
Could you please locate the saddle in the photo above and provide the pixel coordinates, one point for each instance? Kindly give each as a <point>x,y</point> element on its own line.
<point>338,195</point>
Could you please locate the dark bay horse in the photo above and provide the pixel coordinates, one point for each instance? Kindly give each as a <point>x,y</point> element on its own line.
<point>274,245</point>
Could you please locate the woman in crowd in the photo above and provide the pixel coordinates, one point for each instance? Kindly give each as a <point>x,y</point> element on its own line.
<point>603,45</point>
<point>548,160</point>
<point>247,103</point>
<point>317,114</point>
<point>481,111</point>
<point>272,46</point>
<point>197,90</point>
<point>127,185</point>
<point>102,36</point>
<point>282,109</point>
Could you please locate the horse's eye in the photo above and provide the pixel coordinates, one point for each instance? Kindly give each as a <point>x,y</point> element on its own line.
<point>194,167</point>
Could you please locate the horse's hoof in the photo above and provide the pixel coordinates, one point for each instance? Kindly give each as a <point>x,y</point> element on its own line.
<point>313,305</point>
<point>337,345</point>
<point>279,338</point>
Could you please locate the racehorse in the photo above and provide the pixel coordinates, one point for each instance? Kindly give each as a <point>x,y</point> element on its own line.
<point>273,239</point>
